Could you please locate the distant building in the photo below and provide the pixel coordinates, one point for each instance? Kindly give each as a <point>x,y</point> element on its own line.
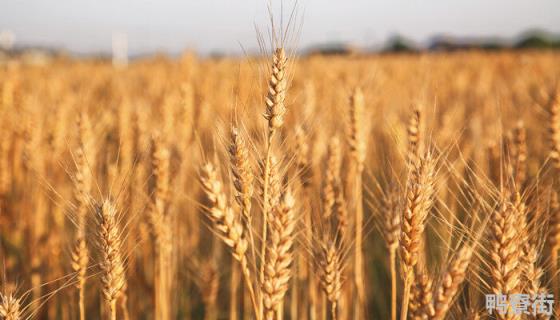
<point>7,40</point>
<point>120,49</point>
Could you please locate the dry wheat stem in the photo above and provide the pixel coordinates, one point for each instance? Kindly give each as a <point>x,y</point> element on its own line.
<point>161,226</point>
<point>82,187</point>
<point>357,144</point>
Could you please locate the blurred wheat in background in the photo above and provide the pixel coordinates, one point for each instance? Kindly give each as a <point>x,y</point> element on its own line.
<point>390,186</point>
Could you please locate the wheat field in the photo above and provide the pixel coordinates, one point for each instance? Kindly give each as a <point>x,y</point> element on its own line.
<point>388,186</point>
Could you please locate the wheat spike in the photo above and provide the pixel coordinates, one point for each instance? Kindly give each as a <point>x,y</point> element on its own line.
<point>554,129</point>
<point>520,154</point>
<point>279,255</point>
<point>451,281</point>
<point>356,136</point>
<point>413,135</point>
<point>10,307</point>
<point>419,198</point>
<point>160,163</point>
<point>275,108</point>
<point>227,224</point>
<point>331,270</point>
<point>332,174</point>
<point>112,265</point>
<point>305,171</point>
<point>505,254</point>
<point>391,217</point>
<point>274,184</point>
<point>242,172</point>
<point>391,232</point>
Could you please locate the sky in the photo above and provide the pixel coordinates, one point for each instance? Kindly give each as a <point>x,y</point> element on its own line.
<point>229,26</point>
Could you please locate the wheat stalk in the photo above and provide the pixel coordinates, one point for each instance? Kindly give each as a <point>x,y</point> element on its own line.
<point>274,114</point>
<point>161,227</point>
<point>391,231</point>
<point>210,285</point>
<point>82,185</point>
<point>357,143</point>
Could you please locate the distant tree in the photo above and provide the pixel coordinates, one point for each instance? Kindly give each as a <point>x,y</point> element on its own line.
<point>400,44</point>
<point>538,40</point>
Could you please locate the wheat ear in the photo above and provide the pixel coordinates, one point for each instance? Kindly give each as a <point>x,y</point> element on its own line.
<point>331,270</point>
<point>332,173</point>
<point>505,254</point>
<point>413,136</point>
<point>419,198</point>
<point>421,303</point>
<point>10,307</point>
<point>275,108</point>
<point>451,281</point>
<point>520,154</point>
<point>279,255</point>
<point>227,224</point>
<point>242,173</point>
<point>391,231</point>
<point>113,277</point>
<point>554,129</point>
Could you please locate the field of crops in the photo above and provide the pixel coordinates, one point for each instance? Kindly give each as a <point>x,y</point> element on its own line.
<point>397,186</point>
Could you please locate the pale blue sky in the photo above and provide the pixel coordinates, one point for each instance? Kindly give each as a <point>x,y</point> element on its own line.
<point>228,25</point>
